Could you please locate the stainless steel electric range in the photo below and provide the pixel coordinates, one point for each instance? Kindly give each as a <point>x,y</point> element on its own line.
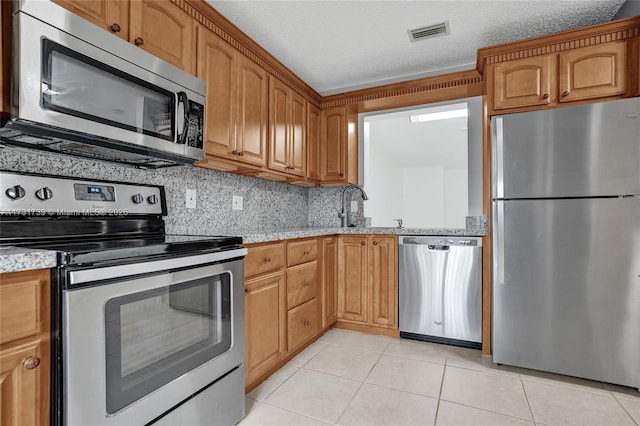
<point>148,328</point>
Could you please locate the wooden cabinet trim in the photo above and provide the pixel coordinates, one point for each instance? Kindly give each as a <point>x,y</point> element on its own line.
<point>623,29</point>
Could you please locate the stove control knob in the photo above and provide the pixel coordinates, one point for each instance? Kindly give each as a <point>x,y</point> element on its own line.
<point>15,192</point>
<point>137,199</point>
<point>152,199</point>
<point>44,193</point>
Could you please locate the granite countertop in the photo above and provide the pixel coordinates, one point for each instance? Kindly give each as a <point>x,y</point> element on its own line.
<point>14,259</point>
<point>254,236</point>
<point>476,226</point>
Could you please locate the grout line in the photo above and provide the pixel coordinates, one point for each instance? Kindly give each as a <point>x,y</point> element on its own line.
<point>625,409</point>
<point>526,397</point>
<point>299,414</point>
<point>444,369</point>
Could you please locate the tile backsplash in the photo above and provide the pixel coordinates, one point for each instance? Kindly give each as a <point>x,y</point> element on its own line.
<point>267,204</point>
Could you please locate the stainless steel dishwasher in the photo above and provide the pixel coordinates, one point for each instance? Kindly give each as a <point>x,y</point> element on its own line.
<point>440,289</point>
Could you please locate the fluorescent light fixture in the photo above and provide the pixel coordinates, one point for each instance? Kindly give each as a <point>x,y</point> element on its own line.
<point>444,115</point>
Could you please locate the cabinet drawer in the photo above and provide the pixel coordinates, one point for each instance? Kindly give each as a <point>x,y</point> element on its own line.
<point>23,296</point>
<point>303,323</point>
<point>302,283</point>
<point>302,251</point>
<point>263,259</point>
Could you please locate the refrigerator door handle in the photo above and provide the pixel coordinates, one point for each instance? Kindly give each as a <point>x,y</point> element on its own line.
<point>498,258</point>
<point>498,157</point>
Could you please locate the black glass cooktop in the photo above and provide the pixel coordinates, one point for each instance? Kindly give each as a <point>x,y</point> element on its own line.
<point>136,249</point>
<point>102,240</point>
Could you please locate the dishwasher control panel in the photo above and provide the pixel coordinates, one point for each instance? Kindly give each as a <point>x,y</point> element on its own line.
<point>441,241</point>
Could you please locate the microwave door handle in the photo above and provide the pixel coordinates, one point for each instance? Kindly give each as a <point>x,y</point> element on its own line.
<point>182,99</point>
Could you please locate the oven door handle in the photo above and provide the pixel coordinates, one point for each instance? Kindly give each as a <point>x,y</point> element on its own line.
<point>155,266</point>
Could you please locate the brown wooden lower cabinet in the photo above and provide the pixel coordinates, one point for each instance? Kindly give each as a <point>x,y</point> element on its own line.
<point>24,348</point>
<point>303,323</point>
<point>265,322</point>
<point>368,283</point>
<point>329,280</point>
<point>296,289</point>
<point>290,299</point>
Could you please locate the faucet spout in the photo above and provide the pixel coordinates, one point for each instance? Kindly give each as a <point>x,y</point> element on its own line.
<point>345,215</point>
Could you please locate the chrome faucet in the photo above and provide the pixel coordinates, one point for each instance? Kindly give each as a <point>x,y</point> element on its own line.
<point>344,215</point>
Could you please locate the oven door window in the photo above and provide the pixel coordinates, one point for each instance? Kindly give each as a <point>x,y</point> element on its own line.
<point>77,85</point>
<point>155,336</point>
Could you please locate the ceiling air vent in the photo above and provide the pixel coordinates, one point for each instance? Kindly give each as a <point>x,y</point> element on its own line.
<point>430,31</point>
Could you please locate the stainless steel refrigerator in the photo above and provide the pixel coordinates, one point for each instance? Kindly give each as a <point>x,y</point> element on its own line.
<point>566,240</point>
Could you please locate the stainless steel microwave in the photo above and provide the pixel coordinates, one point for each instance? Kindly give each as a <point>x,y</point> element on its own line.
<point>79,90</point>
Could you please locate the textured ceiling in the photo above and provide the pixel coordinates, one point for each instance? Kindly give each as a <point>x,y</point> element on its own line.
<point>337,45</point>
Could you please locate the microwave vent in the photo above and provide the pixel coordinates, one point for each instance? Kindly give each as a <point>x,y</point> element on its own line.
<point>429,31</point>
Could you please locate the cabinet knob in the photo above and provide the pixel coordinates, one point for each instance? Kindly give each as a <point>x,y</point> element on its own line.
<point>545,96</point>
<point>267,259</point>
<point>306,284</point>
<point>138,41</point>
<point>306,323</point>
<point>565,93</point>
<point>247,290</point>
<point>31,362</point>
<point>241,153</point>
<point>362,243</point>
<point>115,28</point>
<point>306,252</point>
<point>375,243</point>
<point>234,152</point>
<point>341,174</point>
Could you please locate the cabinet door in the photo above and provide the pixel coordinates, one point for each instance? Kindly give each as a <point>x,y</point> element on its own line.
<point>593,72</point>
<point>24,384</point>
<point>109,15</point>
<point>333,136</point>
<point>524,82</point>
<point>352,278</point>
<point>24,348</point>
<point>298,129</point>
<point>265,321</point>
<point>313,142</point>
<point>164,30</point>
<point>329,280</point>
<point>252,112</point>
<point>383,281</point>
<point>218,66</point>
<point>279,119</point>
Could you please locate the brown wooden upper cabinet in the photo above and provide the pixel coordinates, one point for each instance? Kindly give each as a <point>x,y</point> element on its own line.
<point>586,73</point>
<point>287,129</point>
<point>159,27</point>
<point>313,142</point>
<point>333,142</point>
<point>237,102</point>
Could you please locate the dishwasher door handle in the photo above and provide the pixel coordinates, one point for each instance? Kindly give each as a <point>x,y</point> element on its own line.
<point>437,248</point>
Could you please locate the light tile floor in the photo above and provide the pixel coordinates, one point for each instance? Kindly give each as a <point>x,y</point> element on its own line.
<point>347,378</point>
